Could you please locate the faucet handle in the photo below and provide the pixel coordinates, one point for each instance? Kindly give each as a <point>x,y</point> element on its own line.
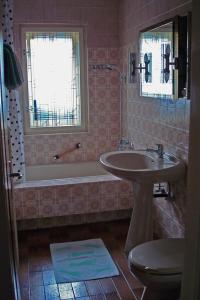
<point>160,150</point>
<point>160,146</point>
<point>131,145</point>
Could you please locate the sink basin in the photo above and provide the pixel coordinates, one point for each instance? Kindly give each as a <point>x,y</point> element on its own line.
<point>142,166</point>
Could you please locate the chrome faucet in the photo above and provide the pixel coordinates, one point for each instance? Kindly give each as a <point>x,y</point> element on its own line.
<point>159,150</point>
<point>126,144</point>
<point>123,144</point>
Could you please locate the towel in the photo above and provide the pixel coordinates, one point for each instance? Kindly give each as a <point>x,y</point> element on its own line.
<point>12,70</point>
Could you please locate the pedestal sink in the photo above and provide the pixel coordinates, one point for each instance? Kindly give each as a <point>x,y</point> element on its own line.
<point>143,169</point>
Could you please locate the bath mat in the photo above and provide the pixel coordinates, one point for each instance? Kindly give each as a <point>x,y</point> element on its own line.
<point>82,260</point>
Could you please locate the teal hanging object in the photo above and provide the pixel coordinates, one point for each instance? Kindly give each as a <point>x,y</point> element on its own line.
<point>13,76</point>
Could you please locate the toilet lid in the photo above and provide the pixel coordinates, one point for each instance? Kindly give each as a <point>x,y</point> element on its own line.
<point>163,256</point>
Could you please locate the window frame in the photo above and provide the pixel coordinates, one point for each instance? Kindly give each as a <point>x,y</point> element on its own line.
<point>83,81</point>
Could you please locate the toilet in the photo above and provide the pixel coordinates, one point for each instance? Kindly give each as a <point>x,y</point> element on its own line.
<point>158,266</point>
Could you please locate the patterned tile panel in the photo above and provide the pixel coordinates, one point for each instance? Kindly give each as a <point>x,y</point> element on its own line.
<point>81,195</point>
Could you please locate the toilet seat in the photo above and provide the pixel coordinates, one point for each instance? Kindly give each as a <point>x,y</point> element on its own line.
<point>159,257</point>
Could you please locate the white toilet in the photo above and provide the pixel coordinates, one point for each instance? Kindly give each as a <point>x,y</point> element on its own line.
<point>158,266</point>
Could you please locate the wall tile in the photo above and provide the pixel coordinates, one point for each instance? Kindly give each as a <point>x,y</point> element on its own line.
<point>102,45</point>
<point>109,203</point>
<point>94,203</point>
<point>63,206</point>
<point>31,209</point>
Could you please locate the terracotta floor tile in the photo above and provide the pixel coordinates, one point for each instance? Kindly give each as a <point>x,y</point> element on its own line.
<point>107,285</point>
<point>93,287</point>
<point>37,293</point>
<point>36,279</point>
<point>79,289</point>
<point>65,291</point>
<point>25,294</point>
<point>138,293</point>
<point>113,296</point>
<point>48,277</point>
<point>51,292</point>
<point>24,275</point>
<point>98,297</point>
<point>36,270</point>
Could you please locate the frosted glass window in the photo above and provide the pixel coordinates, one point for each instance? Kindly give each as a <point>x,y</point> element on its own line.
<point>54,79</point>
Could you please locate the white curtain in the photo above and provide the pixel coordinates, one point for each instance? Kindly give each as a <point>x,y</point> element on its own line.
<point>15,116</point>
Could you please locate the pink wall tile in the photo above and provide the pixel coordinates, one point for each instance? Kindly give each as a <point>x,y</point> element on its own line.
<point>109,202</point>
<point>126,201</point>
<point>102,45</point>
<point>94,203</point>
<point>47,208</point>
<point>64,192</point>
<point>85,12</point>
<point>103,123</point>
<point>18,203</point>
<point>31,209</point>
<point>63,207</point>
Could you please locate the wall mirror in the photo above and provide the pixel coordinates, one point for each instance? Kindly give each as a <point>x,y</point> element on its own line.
<point>164,59</point>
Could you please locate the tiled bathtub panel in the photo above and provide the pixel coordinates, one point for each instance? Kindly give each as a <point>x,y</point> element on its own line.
<point>47,208</point>
<point>77,198</point>
<point>126,200</point>
<point>31,209</point>
<point>18,203</point>
<point>94,203</point>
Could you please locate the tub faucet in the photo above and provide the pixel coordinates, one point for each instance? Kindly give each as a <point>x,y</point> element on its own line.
<point>126,144</point>
<point>159,150</point>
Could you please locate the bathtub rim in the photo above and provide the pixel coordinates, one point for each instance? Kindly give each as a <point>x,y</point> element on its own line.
<point>64,170</point>
<point>65,181</point>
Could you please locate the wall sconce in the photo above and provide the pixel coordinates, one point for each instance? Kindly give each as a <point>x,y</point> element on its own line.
<point>167,63</point>
<point>133,67</point>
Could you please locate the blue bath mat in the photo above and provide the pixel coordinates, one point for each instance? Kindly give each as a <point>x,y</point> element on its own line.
<point>82,260</point>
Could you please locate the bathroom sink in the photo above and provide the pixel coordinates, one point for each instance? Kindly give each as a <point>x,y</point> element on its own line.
<point>142,166</point>
<point>143,169</point>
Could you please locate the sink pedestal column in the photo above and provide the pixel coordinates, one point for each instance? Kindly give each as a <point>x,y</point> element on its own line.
<point>141,224</point>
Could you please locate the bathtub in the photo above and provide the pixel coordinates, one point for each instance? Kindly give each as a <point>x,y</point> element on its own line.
<point>72,189</point>
<point>70,170</point>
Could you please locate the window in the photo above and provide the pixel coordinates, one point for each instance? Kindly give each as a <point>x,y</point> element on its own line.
<point>55,93</point>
